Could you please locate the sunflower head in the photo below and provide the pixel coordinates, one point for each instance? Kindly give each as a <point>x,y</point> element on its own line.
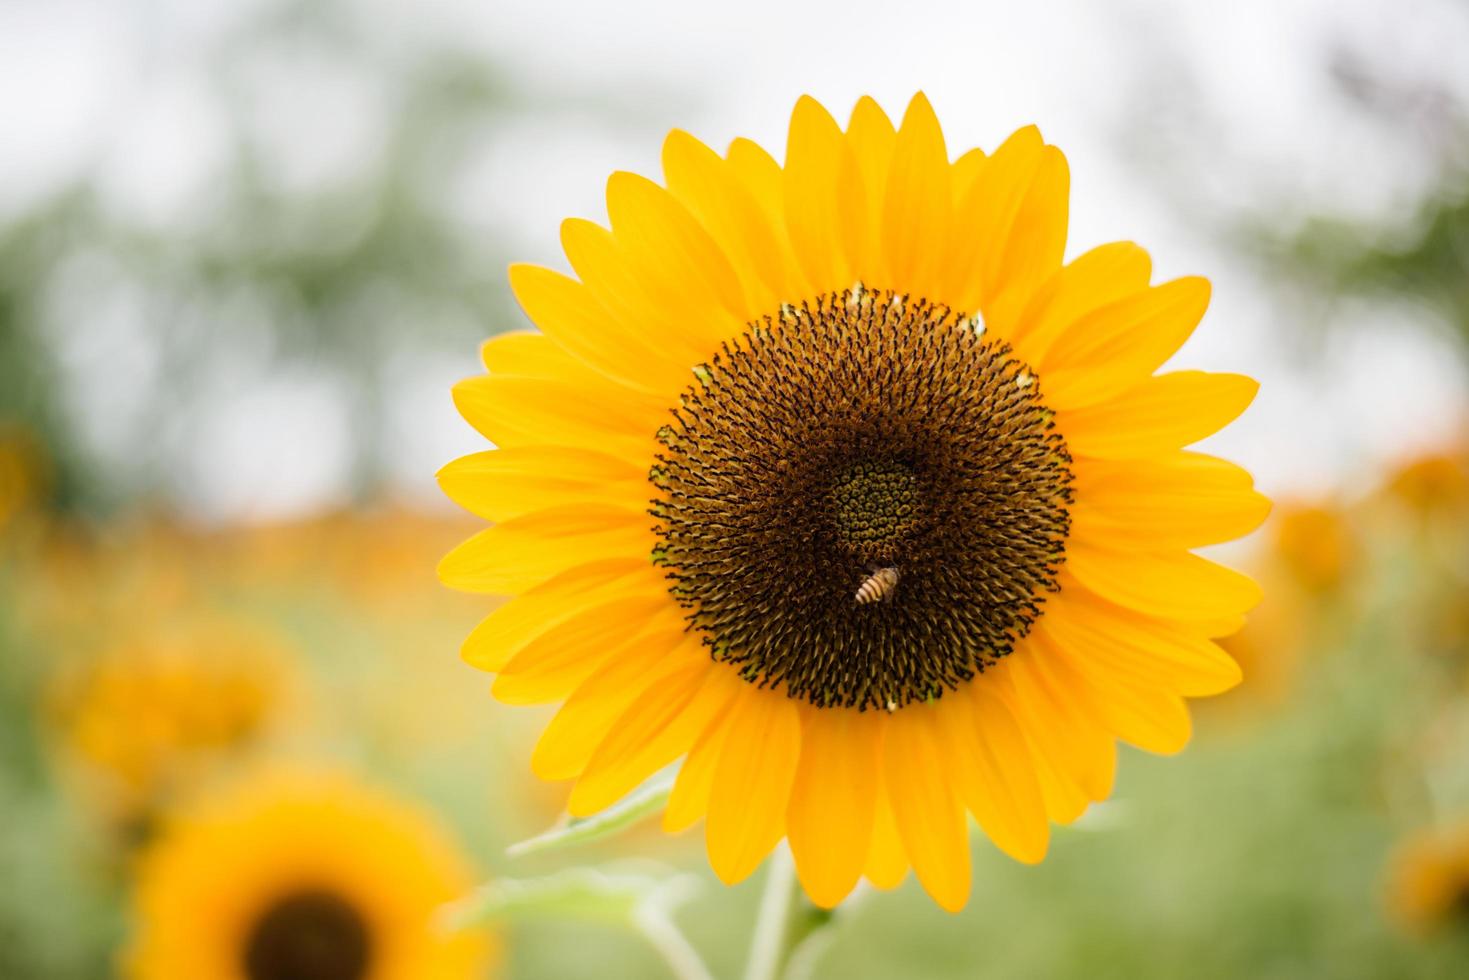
<point>861,438</point>
<point>1428,887</point>
<point>1316,545</point>
<point>24,472</point>
<point>300,875</point>
<point>833,480</point>
<point>1434,484</point>
<point>142,720</point>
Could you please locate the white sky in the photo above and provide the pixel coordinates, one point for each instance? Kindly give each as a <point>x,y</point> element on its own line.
<point>86,80</point>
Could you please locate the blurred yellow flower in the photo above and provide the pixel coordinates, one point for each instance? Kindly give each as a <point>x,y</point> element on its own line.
<point>88,584</point>
<point>1269,649</point>
<point>301,875</point>
<point>1306,563</point>
<point>382,557</point>
<point>1436,483</point>
<point>924,519</point>
<point>385,558</point>
<point>1315,544</point>
<point>24,473</point>
<point>1428,887</point>
<point>146,718</point>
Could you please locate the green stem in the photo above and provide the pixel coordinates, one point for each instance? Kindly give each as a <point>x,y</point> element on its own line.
<point>771,943</point>
<point>654,919</point>
<point>682,959</point>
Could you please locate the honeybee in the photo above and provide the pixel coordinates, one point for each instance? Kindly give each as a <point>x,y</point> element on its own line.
<point>878,587</point>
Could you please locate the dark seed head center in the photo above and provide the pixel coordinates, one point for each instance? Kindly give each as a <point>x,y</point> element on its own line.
<point>308,935</point>
<point>874,505</point>
<point>863,502</point>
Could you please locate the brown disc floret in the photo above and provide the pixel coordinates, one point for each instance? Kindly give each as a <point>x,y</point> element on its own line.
<point>857,434</point>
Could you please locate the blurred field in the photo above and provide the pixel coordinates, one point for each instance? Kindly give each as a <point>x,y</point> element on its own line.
<point>1266,851</point>
<point>224,389</point>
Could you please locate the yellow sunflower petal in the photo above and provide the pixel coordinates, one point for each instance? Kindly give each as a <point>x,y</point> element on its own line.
<point>1171,585</point>
<point>505,631</point>
<point>917,763</point>
<point>567,744</point>
<point>1140,649</point>
<point>820,185</point>
<point>916,207</point>
<point>1061,727</point>
<point>762,177</point>
<point>1118,346</point>
<point>504,483</point>
<point>1152,719</point>
<point>513,411</point>
<point>1076,758</point>
<point>663,240</point>
<point>872,136</point>
<point>752,784</point>
<point>1037,242</point>
<point>966,171</point>
<point>567,312</point>
<point>996,776</point>
<point>887,862</point>
<point>1091,281</point>
<point>514,555</point>
<point>1216,628</point>
<point>661,725</point>
<point>1182,500</point>
<point>833,801</point>
<point>1063,799</point>
<point>689,800</point>
<point>986,217</point>
<point>530,354</point>
<point>1162,414</point>
<point>550,666</point>
<point>641,307</point>
<point>708,186</point>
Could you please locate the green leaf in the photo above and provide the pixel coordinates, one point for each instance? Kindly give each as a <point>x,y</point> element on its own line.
<point>587,894</point>
<point>648,799</point>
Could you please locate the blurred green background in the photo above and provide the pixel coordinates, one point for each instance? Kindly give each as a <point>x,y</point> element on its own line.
<point>245,251</point>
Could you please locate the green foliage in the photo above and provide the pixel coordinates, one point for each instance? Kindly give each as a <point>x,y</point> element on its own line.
<point>573,895</point>
<point>1425,262</point>
<point>642,803</point>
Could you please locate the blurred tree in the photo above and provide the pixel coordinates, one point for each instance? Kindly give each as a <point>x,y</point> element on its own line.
<point>1423,258</point>
<point>342,273</point>
<point>30,380</point>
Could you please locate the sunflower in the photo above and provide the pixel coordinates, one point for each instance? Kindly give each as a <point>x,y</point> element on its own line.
<point>24,473</point>
<point>1433,484</point>
<point>300,875</point>
<point>1272,650</point>
<point>833,481</point>
<point>1309,565</point>
<point>147,717</point>
<point>1316,545</point>
<point>1428,887</point>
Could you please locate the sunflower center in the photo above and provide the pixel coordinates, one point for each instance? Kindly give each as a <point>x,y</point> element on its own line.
<point>309,935</point>
<point>873,505</point>
<point>862,502</point>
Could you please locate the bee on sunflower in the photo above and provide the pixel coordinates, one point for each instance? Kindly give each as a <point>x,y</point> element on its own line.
<point>834,481</point>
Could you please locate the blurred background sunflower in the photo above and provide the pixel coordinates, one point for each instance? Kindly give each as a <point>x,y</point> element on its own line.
<point>293,874</point>
<point>247,247</point>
